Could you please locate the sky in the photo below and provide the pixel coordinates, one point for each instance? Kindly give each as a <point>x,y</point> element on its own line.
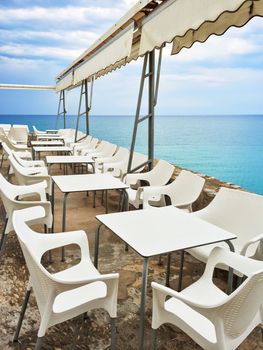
<point>39,38</point>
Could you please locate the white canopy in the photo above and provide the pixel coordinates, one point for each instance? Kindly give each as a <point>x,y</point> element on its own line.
<point>182,22</point>
<point>186,21</point>
<point>113,52</point>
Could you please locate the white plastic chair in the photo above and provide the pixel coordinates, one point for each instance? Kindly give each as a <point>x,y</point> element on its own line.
<point>118,168</point>
<point>66,294</point>
<point>29,175</point>
<point>9,194</point>
<point>183,191</point>
<point>158,176</point>
<point>213,319</point>
<point>85,147</point>
<point>108,151</point>
<point>98,148</point>
<point>85,140</point>
<point>107,164</point>
<point>238,212</point>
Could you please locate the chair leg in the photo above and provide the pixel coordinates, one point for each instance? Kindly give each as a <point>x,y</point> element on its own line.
<point>113,333</point>
<point>22,314</point>
<point>154,339</point>
<point>39,343</point>
<point>4,236</point>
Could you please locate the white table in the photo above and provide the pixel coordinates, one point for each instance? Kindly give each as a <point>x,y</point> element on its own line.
<point>157,231</point>
<point>60,149</point>
<point>85,183</point>
<point>65,160</point>
<point>47,143</point>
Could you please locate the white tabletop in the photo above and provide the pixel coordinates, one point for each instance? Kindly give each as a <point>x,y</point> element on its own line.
<point>49,136</point>
<point>68,159</point>
<point>87,182</point>
<point>52,149</point>
<point>52,131</point>
<point>46,143</point>
<point>162,230</point>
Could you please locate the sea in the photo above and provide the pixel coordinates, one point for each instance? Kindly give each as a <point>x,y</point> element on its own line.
<point>227,147</point>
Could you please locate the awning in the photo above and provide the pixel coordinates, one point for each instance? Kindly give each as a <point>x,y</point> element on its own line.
<point>185,22</point>
<point>105,59</point>
<point>65,82</point>
<point>157,22</point>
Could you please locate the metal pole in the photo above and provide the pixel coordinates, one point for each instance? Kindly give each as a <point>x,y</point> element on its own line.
<point>64,109</point>
<point>137,115</point>
<point>79,111</point>
<point>151,104</point>
<point>87,107</point>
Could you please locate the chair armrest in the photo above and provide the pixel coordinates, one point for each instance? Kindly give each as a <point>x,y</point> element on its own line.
<point>37,188</point>
<point>36,163</point>
<point>132,179</point>
<point>161,292</point>
<point>47,218</point>
<point>103,277</point>
<point>114,166</point>
<point>103,160</point>
<point>236,261</point>
<point>253,240</point>
<point>150,191</point>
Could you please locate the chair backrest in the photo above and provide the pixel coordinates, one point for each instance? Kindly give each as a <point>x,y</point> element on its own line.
<point>93,142</point>
<point>186,188</point>
<point>161,173</point>
<point>121,154</point>
<point>137,160</point>
<point>19,170</point>
<point>109,150</point>
<point>18,133</point>
<point>102,145</point>
<point>236,211</point>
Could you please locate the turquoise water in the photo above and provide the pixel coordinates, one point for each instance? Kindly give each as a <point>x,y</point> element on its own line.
<point>229,148</point>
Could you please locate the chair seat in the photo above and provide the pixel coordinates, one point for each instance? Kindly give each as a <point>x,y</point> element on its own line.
<point>78,272</point>
<point>202,293</point>
<point>79,296</point>
<point>192,318</point>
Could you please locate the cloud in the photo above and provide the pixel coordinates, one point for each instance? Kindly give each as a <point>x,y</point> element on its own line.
<point>69,14</point>
<point>70,38</point>
<point>45,52</point>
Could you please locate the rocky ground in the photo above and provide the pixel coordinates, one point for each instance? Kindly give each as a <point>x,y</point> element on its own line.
<point>94,332</point>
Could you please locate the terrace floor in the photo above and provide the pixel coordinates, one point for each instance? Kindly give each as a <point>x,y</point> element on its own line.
<point>94,332</point>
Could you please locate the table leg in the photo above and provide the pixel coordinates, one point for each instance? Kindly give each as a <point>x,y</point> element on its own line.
<point>167,283</point>
<point>125,203</point>
<point>64,222</point>
<point>143,302</point>
<point>53,204</point>
<point>230,272</point>
<point>106,201</point>
<point>181,272</point>
<point>96,250</point>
